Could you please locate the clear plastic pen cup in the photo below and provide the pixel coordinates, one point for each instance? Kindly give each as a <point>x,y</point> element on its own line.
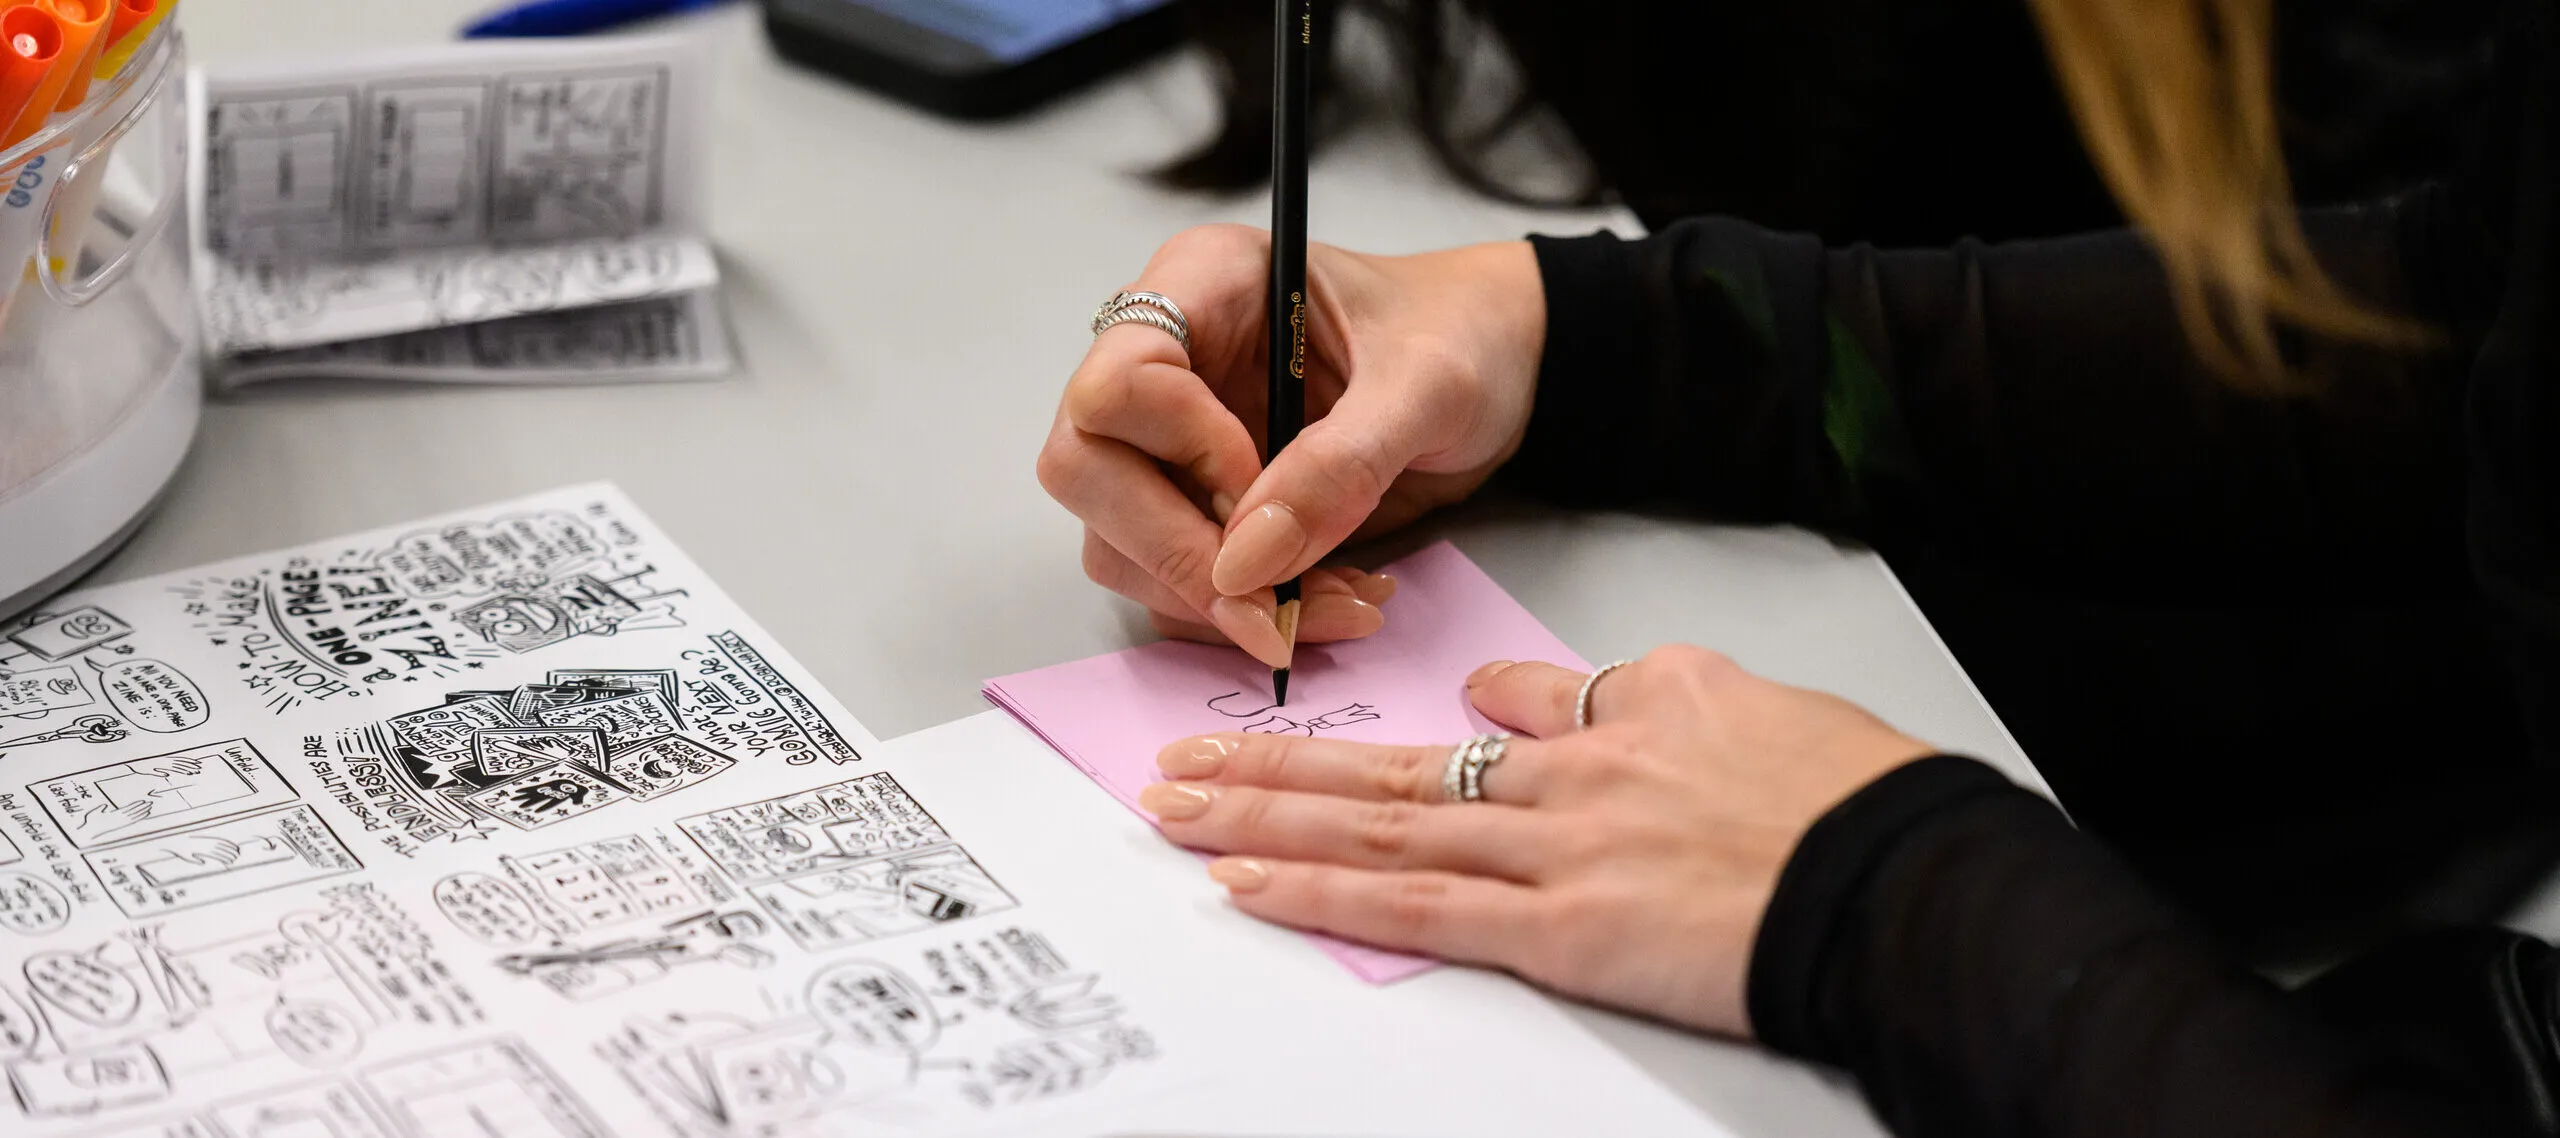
<point>100,378</point>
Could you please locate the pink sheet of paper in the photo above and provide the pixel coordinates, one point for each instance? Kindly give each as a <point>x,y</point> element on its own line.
<point>1109,715</point>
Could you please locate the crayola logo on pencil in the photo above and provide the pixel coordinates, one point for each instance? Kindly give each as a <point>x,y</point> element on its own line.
<point>1298,334</point>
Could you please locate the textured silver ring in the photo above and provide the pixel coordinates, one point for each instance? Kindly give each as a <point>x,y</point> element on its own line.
<point>1463,779</point>
<point>1453,777</point>
<point>1582,701</point>
<point>1489,752</point>
<point>1154,310</point>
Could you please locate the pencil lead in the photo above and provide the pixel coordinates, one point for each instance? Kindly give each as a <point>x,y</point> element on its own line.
<point>1280,687</point>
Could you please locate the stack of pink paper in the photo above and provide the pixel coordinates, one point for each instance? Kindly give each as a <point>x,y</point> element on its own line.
<point>1109,715</point>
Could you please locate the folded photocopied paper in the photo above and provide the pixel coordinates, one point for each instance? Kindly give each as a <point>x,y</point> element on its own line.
<point>547,197</point>
<point>1110,715</point>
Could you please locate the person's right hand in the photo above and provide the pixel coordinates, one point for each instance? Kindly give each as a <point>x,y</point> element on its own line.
<point>1420,375</point>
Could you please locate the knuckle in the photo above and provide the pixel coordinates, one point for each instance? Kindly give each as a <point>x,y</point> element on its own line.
<point>1062,466</point>
<point>1102,397</point>
<point>1348,468</point>
<point>1248,812</point>
<point>1414,905</point>
<point>1179,565</point>
<point>1210,245</point>
<point>1405,775</point>
<point>1385,830</point>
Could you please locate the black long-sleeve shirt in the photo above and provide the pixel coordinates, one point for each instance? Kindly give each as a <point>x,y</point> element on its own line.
<point>1980,966</point>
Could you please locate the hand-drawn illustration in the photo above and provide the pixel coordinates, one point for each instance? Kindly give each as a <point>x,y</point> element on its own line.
<point>848,863</point>
<point>124,801</point>
<point>1267,720</point>
<point>86,729</point>
<point>562,897</point>
<point>498,1089</point>
<point>996,1022</point>
<point>221,861</point>
<point>431,603</point>
<point>77,662</point>
<point>587,971</point>
<point>580,153</point>
<point>276,172</point>
<point>140,1018</point>
<point>37,690</point>
<point>495,1088</point>
<point>583,740</point>
<point>565,892</point>
<point>9,852</point>
<point>31,906</point>
<point>55,637</point>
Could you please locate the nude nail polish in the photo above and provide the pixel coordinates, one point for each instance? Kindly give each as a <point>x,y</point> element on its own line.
<point>1258,549</point>
<point>1338,616</point>
<point>1480,676</point>
<point>1249,622</point>
<point>1223,505</point>
<point>1241,874</point>
<point>1202,757</point>
<point>1176,801</point>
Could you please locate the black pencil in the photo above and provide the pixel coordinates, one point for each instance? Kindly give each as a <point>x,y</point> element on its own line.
<point>1293,49</point>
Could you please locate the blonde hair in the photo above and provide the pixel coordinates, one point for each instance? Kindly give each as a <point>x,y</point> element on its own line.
<point>2175,100</point>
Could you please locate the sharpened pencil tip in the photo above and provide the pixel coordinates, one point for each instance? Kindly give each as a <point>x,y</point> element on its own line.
<point>1280,686</point>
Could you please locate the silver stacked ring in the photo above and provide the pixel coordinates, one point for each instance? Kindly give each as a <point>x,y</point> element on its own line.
<point>1582,701</point>
<point>1153,309</point>
<point>1463,779</point>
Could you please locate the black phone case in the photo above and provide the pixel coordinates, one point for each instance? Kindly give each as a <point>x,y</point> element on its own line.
<point>947,76</point>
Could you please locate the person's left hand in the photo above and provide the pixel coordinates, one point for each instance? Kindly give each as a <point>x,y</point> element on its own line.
<point>1627,864</point>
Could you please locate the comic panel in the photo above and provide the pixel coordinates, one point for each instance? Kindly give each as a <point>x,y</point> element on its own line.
<point>970,1026</point>
<point>160,1012</point>
<point>844,864</point>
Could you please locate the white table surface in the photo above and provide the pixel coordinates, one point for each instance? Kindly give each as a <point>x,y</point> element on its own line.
<point>908,295</point>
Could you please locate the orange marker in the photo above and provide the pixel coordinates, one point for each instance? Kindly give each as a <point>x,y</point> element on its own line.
<point>133,23</point>
<point>30,45</point>
<point>84,38</point>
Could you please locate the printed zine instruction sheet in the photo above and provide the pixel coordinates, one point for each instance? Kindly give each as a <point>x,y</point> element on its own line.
<point>508,824</point>
<point>347,202</point>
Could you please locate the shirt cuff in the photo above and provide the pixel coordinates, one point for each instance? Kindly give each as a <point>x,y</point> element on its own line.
<point>1824,880</point>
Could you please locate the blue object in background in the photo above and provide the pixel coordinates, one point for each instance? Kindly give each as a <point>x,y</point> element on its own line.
<point>573,17</point>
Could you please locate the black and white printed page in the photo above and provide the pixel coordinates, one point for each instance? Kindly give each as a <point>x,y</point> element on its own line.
<point>509,824</point>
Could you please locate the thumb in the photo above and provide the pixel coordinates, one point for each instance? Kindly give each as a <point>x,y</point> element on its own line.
<point>1318,490</point>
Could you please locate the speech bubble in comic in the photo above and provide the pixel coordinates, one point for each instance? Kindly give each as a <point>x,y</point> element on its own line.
<point>487,909</point>
<point>83,989</point>
<point>874,1006</point>
<point>469,559</point>
<point>31,905</point>
<point>314,1034</point>
<point>153,696</point>
<point>19,1028</point>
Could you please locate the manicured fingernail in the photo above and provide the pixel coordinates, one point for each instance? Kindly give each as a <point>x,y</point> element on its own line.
<point>1223,505</point>
<point>1338,616</point>
<point>1250,623</point>
<point>1375,588</point>
<point>1478,677</point>
<point>1197,758</point>
<point>1175,801</point>
<point>1321,582</point>
<point>1242,874</point>
<point>1258,549</point>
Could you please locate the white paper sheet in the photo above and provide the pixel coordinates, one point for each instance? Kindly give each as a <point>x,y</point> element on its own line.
<point>348,199</point>
<point>508,824</point>
<point>669,338</point>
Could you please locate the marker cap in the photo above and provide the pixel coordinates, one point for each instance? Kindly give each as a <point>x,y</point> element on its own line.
<point>30,46</point>
<point>132,24</point>
<point>84,38</point>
